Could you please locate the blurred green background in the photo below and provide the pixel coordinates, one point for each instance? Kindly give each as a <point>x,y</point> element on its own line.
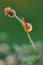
<point>31,10</point>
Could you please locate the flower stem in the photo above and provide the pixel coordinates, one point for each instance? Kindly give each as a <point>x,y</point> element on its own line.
<point>31,41</point>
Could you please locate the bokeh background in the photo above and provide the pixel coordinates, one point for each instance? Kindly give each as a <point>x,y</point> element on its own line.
<point>11,29</point>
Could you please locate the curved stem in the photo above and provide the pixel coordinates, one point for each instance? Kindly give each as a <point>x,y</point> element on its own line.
<point>31,41</point>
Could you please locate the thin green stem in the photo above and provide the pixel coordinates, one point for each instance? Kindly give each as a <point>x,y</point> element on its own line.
<point>31,41</point>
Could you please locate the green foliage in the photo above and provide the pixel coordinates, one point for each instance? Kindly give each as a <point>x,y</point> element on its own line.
<point>32,60</point>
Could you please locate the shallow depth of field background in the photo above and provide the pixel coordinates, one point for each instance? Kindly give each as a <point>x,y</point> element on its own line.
<point>31,10</point>
<point>14,42</point>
